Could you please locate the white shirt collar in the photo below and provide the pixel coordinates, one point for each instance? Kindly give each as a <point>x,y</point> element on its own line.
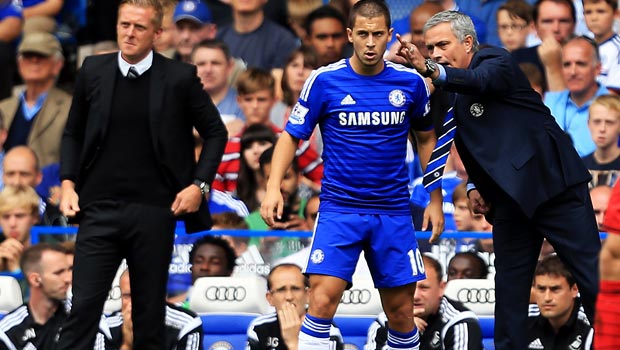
<point>141,66</point>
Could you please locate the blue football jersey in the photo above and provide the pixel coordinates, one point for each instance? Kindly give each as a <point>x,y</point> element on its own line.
<point>364,122</point>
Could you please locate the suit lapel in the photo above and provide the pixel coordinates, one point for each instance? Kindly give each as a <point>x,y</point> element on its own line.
<point>158,84</point>
<point>108,78</point>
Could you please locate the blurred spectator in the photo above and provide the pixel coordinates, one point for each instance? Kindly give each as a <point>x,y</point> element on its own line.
<point>326,34</point>
<point>19,211</point>
<point>255,39</point>
<point>38,115</point>
<point>298,11</point>
<point>103,47</point>
<point>560,322</point>
<point>255,96</point>
<point>443,323</point>
<point>569,106</point>
<point>554,21</point>
<point>214,66</point>
<point>514,24</point>
<point>534,76</point>
<point>600,199</point>
<point>164,44</point>
<point>210,257</point>
<point>287,292</point>
<point>599,16</point>
<point>467,265</point>
<point>21,168</point>
<point>273,248</point>
<point>37,323</point>
<point>49,8</point>
<point>604,126</point>
<point>11,20</point>
<point>193,24</point>
<point>417,19</point>
<point>183,327</point>
<point>255,139</point>
<point>608,302</point>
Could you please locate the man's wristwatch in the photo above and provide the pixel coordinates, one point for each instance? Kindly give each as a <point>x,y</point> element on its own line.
<point>204,187</point>
<point>431,67</point>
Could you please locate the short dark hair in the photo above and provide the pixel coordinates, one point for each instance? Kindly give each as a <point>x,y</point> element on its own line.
<point>518,9</point>
<point>325,11</point>
<point>213,44</point>
<point>31,257</point>
<point>231,257</point>
<point>306,281</point>
<point>432,262</point>
<point>553,266</point>
<point>483,268</point>
<point>370,8</point>
<point>569,3</point>
<point>267,155</point>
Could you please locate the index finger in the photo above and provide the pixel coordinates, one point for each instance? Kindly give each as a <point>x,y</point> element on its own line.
<point>400,40</point>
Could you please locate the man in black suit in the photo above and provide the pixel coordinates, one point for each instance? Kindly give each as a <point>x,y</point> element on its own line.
<point>528,179</point>
<point>128,151</point>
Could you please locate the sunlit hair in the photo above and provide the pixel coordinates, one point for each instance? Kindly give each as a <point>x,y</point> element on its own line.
<point>370,9</point>
<point>18,197</point>
<point>518,9</point>
<point>460,23</point>
<point>611,102</point>
<point>434,264</point>
<point>158,10</point>
<point>255,79</point>
<point>30,260</point>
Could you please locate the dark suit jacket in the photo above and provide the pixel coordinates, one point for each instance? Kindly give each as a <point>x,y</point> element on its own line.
<point>507,136</point>
<point>177,103</point>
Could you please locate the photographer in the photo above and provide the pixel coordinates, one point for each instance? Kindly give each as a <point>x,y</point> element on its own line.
<point>274,248</point>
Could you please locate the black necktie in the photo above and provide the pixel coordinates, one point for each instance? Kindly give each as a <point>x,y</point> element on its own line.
<point>133,73</point>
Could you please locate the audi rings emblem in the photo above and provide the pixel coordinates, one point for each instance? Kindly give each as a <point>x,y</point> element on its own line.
<point>355,296</point>
<point>225,293</point>
<point>476,295</point>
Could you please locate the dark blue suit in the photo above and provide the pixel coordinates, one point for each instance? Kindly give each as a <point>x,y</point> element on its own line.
<point>526,167</point>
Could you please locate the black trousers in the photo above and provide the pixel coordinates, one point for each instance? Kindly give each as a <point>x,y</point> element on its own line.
<point>110,231</point>
<point>568,223</point>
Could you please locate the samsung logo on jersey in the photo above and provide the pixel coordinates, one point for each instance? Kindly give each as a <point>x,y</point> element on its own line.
<point>371,118</point>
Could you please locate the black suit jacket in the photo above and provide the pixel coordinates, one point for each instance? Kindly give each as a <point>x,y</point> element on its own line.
<point>507,136</point>
<point>177,103</point>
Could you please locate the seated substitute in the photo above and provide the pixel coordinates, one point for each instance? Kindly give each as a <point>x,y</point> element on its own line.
<point>183,327</point>
<point>288,294</point>
<point>443,323</point>
<point>37,323</point>
<point>559,322</point>
<point>467,265</point>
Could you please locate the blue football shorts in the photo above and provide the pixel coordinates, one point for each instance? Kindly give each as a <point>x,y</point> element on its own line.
<point>388,242</point>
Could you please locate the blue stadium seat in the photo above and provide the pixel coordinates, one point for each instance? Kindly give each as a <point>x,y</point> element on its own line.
<point>354,330</point>
<point>487,324</point>
<point>226,331</point>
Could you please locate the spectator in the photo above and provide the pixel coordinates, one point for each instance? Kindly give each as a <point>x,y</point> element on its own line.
<point>11,20</point>
<point>298,11</point>
<point>215,66</point>
<point>19,211</point>
<point>560,322</point>
<point>608,302</point>
<point>183,329</point>
<point>193,23</point>
<point>599,16</point>
<point>287,292</point>
<point>249,260</point>
<point>599,196</point>
<point>256,96</point>
<point>273,248</point>
<point>554,21</point>
<point>49,8</point>
<point>37,116</point>
<point>165,43</point>
<point>514,24</point>
<point>255,140</point>
<point>534,76</point>
<point>326,28</point>
<point>467,265</point>
<point>604,126</point>
<point>257,40</point>
<point>210,257</point>
<point>444,323</point>
<point>569,106</point>
<point>36,324</point>
<point>21,168</point>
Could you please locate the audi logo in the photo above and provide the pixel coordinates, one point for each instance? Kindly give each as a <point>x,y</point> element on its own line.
<point>476,295</point>
<point>225,293</point>
<point>355,296</point>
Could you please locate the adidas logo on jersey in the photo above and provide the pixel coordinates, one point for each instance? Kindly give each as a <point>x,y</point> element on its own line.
<point>536,344</point>
<point>347,100</point>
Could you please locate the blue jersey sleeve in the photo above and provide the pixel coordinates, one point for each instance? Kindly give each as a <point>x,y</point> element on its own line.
<point>421,119</point>
<point>306,112</point>
<point>10,9</point>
